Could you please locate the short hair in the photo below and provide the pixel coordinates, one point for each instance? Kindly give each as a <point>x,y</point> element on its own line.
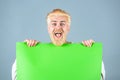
<point>59,12</point>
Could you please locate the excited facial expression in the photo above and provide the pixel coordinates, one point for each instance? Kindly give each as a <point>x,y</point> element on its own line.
<point>58,28</point>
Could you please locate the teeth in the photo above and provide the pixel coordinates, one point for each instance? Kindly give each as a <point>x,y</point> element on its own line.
<point>58,34</point>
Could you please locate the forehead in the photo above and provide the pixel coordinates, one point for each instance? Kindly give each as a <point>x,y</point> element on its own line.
<point>58,18</point>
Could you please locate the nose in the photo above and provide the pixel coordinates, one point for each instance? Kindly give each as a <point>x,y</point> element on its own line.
<point>58,26</point>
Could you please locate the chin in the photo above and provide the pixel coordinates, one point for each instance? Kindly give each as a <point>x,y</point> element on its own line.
<point>59,42</point>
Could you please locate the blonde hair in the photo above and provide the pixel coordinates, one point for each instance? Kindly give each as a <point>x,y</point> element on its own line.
<point>59,12</point>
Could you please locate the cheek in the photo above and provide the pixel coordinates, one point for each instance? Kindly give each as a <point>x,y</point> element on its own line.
<point>50,29</point>
<point>66,29</point>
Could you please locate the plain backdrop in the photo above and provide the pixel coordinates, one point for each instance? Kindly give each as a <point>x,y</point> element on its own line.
<point>91,19</point>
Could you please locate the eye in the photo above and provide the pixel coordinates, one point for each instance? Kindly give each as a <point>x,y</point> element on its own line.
<point>62,24</point>
<point>54,24</point>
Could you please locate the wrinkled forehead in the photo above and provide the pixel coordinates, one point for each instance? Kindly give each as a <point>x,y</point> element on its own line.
<point>57,16</point>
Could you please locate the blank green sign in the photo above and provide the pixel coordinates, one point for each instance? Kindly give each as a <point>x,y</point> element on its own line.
<point>46,61</point>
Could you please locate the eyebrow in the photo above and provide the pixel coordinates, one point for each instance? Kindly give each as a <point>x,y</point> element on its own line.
<point>62,21</point>
<point>56,21</point>
<point>53,21</point>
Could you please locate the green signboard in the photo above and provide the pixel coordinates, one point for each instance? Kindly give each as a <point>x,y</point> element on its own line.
<point>46,61</point>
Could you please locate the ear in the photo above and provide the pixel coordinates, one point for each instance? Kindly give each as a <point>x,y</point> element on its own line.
<point>48,29</point>
<point>68,28</point>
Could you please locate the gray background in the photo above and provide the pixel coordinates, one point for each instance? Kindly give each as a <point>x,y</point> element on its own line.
<point>96,19</point>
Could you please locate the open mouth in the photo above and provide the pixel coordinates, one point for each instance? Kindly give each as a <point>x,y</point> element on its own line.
<point>58,34</point>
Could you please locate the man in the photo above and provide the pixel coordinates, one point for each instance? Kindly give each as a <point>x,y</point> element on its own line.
<point>58,27</point>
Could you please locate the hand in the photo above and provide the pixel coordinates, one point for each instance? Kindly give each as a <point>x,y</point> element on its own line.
<point>31,43</point>
<point>88,43</point>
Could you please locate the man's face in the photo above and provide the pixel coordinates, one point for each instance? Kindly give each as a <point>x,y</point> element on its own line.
<point>58,29</point>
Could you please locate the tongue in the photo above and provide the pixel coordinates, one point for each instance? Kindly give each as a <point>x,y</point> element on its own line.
<point>58,35</point>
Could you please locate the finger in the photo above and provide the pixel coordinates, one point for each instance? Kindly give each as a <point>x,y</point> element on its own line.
<point>88,44</point>
<point>84,43</point>
<point>92,41</point>
<point>36,42</point>
<point>33,42</point>
<point>29,43</point>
